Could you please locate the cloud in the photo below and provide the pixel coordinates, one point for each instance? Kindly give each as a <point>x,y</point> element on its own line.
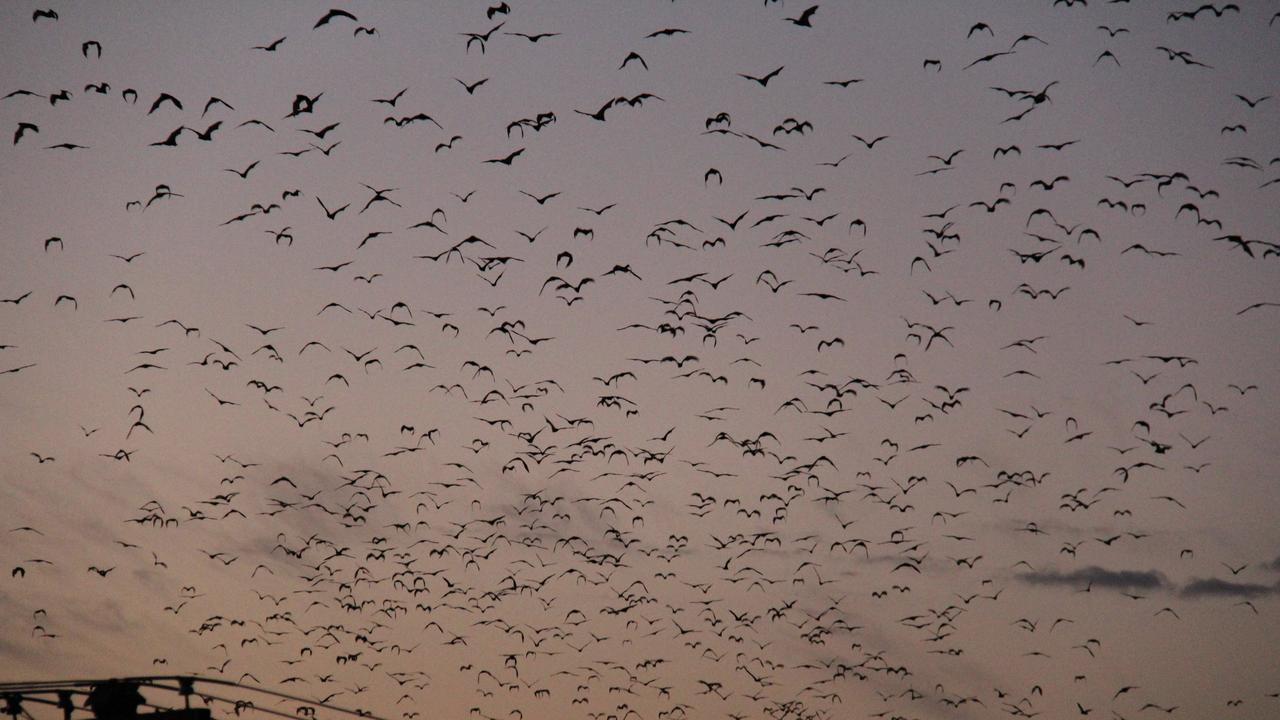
<point>1100,577</point>
<point>15,653</point>
<point>1214,587</point>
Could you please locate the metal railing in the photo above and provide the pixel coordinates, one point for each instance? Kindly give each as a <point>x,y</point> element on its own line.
<point>120,698</point>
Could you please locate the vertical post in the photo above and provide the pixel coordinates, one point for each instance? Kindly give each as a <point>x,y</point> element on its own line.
<point>186,687</point>
<point>12,705</point>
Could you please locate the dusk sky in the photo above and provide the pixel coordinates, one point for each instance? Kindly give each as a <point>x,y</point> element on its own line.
<point>646,360</point>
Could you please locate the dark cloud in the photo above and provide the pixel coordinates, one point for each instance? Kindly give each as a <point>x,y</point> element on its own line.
<point>16,653</point>
<point>1099,577</point>
<point>1215,587</point>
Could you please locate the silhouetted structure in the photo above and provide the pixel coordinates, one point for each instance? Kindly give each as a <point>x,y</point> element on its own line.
<point>115,700</point>
<point>106,699</point>
<point>122,698</point>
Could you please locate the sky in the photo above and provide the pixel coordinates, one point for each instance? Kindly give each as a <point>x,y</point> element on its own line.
<point>646,360</point>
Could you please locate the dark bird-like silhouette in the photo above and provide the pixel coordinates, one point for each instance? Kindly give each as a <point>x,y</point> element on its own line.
<point>507,159</point>
<point>332,15</point>
<point>763,80</point>
<point>271,46</point>
<point>805,19</point>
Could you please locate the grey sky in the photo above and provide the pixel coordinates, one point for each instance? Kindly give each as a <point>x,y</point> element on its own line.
<point>928,443</point>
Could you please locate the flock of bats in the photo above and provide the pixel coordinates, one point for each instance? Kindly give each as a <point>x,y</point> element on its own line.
<point>757,456</point>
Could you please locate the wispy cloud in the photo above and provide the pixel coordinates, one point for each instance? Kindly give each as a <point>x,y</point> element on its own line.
<point>1215,587</point>
<point>1099,577</point>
